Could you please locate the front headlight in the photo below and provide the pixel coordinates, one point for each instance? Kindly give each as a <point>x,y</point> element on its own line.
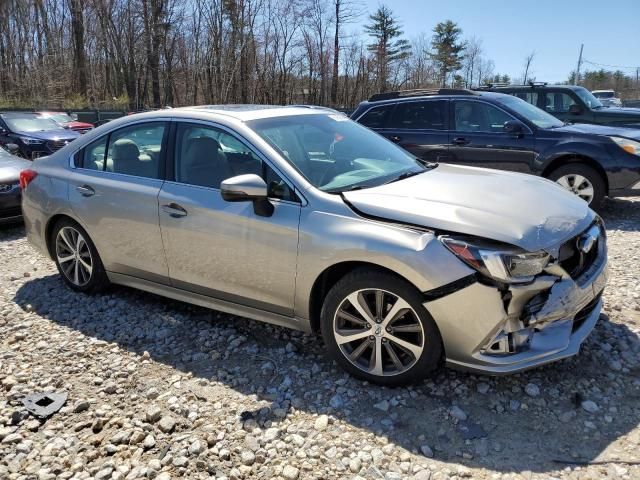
<point>31,141</point>
<point>502,263</point>
<point>629,146</point>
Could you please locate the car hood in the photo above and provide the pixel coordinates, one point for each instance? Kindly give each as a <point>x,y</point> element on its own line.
<point>10,167</point>
<point>590,129</point>
<point>523,210</point>
<point>61,134</point>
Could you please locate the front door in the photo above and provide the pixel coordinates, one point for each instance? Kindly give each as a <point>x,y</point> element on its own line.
<point>114,194</point>
<point>477,138</point>
<point>222,249</point>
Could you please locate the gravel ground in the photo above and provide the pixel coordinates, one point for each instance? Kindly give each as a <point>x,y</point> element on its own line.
<point>161,389</point>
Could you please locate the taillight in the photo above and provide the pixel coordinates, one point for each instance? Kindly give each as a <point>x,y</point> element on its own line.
<point>26,176</point>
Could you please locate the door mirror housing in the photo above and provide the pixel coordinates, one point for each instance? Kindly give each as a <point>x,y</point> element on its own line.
<point>513,127</point>
<point>575,109</point>
<point>248,188</point>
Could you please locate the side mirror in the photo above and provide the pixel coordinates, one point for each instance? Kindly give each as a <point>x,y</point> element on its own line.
<point>248,188</point>
<point>575,109</point>
<point>513,127</point>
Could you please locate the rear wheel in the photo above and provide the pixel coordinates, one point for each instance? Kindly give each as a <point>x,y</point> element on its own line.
<point>582,181</point>
<point>77,258</point>
<point>376,328</point>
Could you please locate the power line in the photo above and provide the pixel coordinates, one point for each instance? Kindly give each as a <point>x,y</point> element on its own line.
<point>610,66</point>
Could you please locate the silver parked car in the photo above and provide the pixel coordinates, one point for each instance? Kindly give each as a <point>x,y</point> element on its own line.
<point>10,168</point>
<point>300,217</point>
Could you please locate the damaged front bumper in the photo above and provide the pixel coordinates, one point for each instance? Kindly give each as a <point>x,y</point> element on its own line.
<point>492,330</point>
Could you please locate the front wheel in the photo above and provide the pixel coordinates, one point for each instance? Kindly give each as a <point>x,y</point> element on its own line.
<point>375,327</point>
<point>582,181</point>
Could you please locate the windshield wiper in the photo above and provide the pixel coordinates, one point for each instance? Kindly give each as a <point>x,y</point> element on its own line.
<point>404,175</point>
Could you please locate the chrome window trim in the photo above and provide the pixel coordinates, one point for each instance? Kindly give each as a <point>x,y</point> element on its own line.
<point>254,150</point>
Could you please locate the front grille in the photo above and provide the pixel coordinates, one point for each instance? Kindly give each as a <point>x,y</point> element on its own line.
<point>573,260</point>
<point>55,145</point>
<point>583,314</point>
<point>10,212</point>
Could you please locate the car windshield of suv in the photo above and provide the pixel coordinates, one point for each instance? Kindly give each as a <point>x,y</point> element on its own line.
<point>336,154</point>
<point>31,124</point>
<point>535,115</point>
<point>587,97</point>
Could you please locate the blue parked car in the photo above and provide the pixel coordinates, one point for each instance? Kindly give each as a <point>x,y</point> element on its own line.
<point>35,136</point>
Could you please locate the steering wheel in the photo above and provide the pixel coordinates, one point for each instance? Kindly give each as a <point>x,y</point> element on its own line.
<point>353,173</point>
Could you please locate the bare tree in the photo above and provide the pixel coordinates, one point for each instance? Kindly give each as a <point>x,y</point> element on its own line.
<point>528,60</point>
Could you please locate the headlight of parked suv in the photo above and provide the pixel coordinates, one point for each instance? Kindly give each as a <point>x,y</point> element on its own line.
<point>629,146</point>
<point>31,141</point>
<point>505,264</point>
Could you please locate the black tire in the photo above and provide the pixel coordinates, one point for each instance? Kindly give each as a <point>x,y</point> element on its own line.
<point>596,180</point>
<point>369,279</point>
<point>97,280</point>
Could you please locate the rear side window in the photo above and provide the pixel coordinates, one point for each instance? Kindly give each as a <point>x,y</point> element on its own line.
<point>426,115</point>
<point>135,150</point>
<point>376,117</point>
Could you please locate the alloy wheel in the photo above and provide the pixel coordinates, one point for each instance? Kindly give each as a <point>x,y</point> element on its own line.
<point>378,332</point>
<point>578,185</point>
<point>74,256</point>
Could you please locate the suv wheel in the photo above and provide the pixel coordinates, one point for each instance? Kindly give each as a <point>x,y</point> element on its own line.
<point>77,258</point>
<point>376,328</point>
<point>581,180</point>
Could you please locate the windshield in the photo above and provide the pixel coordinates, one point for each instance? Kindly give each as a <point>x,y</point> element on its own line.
<point>31,124</point>
<point>335,154</point>
<point>586,96</point>
<point>58,117</point>
<point>535,115</point>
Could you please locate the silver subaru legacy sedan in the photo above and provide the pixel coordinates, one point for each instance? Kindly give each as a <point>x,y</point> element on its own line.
<point>299,217</point>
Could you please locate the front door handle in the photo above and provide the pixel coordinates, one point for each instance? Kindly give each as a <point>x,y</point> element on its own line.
<point>85,190</point>
<point>461,141</point>
<point>395,138</point>
<point>174,210</point>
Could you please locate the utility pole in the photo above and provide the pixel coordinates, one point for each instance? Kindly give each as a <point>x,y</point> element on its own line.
<point>577,76</point>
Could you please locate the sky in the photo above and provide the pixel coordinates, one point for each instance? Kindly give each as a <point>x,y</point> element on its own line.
<point>554,29</point>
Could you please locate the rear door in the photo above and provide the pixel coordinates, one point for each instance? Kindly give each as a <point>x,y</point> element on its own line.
<point>421,128</point>
<point>223,249</point>
<point>114,193</point>
<point>478,138</point>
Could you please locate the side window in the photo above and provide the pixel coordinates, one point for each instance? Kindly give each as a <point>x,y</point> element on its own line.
<point>479,117</point>
<point>376,117</point>
<point>529,97</point>
<point>94,153</point>
<point>429,115</point>
<point>558,102</point>
<point>205,156</point>
<point>136,150</point>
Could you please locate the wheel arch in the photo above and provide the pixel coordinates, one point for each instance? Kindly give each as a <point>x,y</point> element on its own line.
<point>567,159</point>
<point>48,229</point>
<point>332,275</point>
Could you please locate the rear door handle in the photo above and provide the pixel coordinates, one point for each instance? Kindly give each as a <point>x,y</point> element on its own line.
<point>461,141</point>
<point>85,190</point>
<point>174,210</point>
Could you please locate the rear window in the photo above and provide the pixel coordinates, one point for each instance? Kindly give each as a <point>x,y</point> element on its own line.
<point>376,117</point>
<point>424,115</point>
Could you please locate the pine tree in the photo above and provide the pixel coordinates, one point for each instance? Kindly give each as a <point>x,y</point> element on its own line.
<point>448,49</point>
<point>388,47</point>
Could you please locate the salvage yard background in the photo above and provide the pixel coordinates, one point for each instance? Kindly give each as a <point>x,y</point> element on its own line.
<point>160,389</point>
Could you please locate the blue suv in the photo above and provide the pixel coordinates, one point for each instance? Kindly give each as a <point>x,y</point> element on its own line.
<point>494,130</point>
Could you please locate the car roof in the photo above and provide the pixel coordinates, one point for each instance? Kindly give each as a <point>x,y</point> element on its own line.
<point>253,112</point>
